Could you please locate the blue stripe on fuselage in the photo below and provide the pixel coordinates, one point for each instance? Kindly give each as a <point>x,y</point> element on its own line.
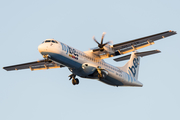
<point>63,60</point>
<point>111,81</point>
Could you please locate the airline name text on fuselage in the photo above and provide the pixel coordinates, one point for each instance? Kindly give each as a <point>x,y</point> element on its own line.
<point>72,52</point>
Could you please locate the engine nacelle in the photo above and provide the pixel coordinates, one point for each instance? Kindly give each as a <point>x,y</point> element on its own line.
<point>88,68</point>
<point>108,49</point>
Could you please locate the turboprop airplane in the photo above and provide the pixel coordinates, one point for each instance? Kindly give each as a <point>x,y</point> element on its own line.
<point>90,64</point>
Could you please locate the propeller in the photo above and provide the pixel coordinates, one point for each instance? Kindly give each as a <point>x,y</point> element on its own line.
<point>101,45</point>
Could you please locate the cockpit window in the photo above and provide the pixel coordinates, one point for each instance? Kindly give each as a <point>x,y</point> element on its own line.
<point>53,41</point>
<point>47,41</point>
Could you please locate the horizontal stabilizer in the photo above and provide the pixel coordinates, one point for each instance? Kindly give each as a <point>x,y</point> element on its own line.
<point>141,54</point>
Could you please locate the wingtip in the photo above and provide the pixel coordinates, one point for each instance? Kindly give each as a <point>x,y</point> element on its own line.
<point>173,31</point>
<point>158,50</point>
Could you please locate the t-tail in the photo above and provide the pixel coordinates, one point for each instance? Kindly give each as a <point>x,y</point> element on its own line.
<point>132,66</point>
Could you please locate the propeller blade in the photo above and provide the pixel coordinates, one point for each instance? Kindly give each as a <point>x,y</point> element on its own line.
<point>96,40</point>
<point>101,45</point>
<point>96,50</point>
<point>105,43</point>
<point>102,37</point>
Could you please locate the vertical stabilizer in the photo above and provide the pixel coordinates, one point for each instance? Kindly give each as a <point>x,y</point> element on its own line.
<point>132,66</point>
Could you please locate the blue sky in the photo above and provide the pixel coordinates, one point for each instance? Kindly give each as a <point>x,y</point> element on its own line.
<point>49,94</point>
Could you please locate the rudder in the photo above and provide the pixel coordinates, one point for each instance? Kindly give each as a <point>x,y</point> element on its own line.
<point>132,66</point>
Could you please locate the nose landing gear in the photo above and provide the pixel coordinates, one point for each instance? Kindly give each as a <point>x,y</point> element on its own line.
<point>75,81</point>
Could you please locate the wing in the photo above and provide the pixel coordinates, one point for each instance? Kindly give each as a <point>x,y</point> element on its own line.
<point>136,44</point>
<point>132,45</point>
<point>37,65</point>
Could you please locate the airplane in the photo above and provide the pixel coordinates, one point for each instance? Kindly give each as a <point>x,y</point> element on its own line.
<point>90,64</point>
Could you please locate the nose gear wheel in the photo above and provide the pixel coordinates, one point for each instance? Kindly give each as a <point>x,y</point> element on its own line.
<point>75,81</point>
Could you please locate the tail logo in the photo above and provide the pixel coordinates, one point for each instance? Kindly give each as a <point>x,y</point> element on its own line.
<point>134,66</point>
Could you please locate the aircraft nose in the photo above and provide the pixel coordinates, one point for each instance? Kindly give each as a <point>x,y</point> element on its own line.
<point>41,48</point>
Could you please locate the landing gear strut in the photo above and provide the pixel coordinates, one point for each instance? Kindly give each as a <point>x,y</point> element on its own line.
<point>100,73</point>
<point>101,76</point>
<point>75,81</point>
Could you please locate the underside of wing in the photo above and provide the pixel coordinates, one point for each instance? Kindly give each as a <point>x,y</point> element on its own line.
<point>36,65</point>
<point>132,45</point>
<point>136,44</point>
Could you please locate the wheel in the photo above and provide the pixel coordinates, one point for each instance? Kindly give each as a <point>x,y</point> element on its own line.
<point>103,75</point>
<point>99,76</point>
<point>77,81</point>
<point>73,81</point>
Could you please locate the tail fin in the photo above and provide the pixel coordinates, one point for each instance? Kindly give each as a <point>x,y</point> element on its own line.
<point>132,66</point>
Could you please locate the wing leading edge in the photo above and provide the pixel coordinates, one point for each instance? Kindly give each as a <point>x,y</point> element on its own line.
<point>36,65</point>
<point>132,45</point>
<point>135,44</point>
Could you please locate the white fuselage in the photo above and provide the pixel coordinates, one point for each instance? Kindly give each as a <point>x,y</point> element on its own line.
<point>84,64</point>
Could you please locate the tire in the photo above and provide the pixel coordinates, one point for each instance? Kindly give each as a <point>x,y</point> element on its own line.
<point>73,81</point>
<point>103,75</point>
<point>77,81</point>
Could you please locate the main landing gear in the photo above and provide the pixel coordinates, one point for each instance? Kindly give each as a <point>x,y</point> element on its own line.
<point>75,81</point>
<point>100,73</point>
